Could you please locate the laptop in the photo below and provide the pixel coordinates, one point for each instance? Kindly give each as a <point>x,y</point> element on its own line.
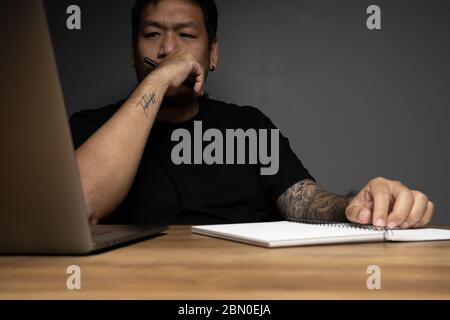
<point>42,210</point>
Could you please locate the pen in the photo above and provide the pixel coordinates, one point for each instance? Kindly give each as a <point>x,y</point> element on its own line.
<point>150,62</point>
<point>189,82</point>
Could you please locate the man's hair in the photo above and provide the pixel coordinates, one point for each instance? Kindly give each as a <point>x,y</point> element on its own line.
<point>209,9</point>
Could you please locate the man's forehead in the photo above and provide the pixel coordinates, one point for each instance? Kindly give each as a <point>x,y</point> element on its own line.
<point>169,12</point>
<point>174,23</point>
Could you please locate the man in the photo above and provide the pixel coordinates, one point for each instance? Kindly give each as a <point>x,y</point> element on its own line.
<point>123,151</point>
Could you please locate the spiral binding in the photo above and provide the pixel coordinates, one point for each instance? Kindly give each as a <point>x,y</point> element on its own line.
<point>386,231</point>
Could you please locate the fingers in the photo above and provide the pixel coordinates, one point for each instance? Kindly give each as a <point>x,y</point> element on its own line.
<point>182,68</point>
<point>196,76</point>
<point>403,204</point>
<point>351,212</point>
<point>418,209</point>
<point>382,199</point>
<point>389,203</point>
<point>357,210</point>
<point>199,72</point>
<point>426,218</point>
<point>358,214</point>
<point>410,208</point>
<point>384,192</point>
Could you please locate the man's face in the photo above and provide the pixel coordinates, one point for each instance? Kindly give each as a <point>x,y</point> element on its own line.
<point>167,26</point>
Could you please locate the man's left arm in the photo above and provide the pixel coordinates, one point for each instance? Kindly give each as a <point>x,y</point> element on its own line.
<point>381,202</point>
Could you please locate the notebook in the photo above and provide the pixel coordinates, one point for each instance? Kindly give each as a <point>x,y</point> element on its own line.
<point>291,233</point>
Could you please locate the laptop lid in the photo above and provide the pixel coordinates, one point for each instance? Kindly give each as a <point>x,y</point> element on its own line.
<point>41,200</point>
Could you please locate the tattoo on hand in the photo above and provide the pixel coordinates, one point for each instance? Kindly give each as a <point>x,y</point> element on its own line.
<point>146,102</point>
<point>306,200</point>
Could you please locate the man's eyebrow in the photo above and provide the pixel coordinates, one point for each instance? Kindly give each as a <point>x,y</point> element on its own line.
<point>176,26</point>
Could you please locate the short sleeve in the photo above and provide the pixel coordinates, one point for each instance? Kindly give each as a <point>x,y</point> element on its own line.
<point>85,123</point>
<point>81,127</point>
<point>290,171</point>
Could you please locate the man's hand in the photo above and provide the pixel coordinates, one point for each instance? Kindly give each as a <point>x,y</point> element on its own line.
<point>389,203</point>
<point>177,67</point>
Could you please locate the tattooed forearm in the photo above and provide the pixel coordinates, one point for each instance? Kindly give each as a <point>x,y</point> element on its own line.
<point>306,200</point>
<point>147,101</point>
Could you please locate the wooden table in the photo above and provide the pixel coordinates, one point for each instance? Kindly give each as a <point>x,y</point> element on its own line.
<point>181,265</point>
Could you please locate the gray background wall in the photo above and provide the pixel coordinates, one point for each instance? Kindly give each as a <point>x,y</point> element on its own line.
<point>355,103</point>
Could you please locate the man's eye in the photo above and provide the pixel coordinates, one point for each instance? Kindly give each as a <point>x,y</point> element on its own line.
<point>151,35</point>
<point>186,35</point>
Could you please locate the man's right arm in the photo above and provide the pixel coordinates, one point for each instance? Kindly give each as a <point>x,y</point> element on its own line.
<point>109,159</point>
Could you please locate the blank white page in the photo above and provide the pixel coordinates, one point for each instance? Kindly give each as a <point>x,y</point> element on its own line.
<point>419,235</point>
<point>285,233</point>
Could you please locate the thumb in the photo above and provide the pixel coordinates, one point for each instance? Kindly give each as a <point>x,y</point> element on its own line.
<point>356,212</point>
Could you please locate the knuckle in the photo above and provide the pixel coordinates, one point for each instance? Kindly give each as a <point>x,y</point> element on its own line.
<point>189,57</point>
<point>407,194</point>
<point>432,207</point>
<point>378,180</point>
<point>382,193</point>
<point>419,196</point>
<point>397,183</point>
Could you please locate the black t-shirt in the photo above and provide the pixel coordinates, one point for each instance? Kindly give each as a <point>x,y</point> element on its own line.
<point>165,193</point>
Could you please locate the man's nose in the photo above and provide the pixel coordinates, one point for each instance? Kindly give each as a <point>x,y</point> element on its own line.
<point>168,45</point>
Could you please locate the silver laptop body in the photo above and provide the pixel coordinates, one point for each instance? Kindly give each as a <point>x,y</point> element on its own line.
<point>42,208</point>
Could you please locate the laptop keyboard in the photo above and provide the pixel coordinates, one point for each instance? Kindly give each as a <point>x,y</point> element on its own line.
<point>106,233</point>
<point>114,233</point>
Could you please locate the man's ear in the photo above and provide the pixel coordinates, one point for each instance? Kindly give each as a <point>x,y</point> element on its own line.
<point>214,54</point>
